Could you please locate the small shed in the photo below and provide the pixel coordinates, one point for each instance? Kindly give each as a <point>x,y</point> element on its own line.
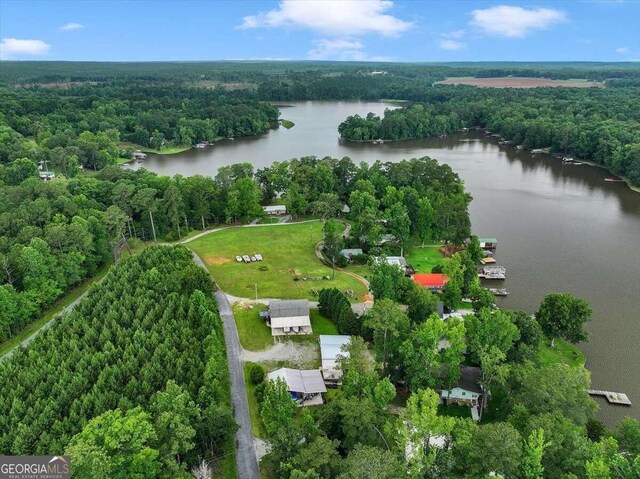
<point>290,317</point>
<point>432,281</point>
<point>306,386</point>
<point>330,348</point>
<point>275,210</point>
<point>345,209</point>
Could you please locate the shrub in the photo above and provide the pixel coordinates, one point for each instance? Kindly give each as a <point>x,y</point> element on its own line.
<point>256,374</point>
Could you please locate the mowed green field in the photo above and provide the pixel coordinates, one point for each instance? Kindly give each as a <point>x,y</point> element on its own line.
<point>288,251</point>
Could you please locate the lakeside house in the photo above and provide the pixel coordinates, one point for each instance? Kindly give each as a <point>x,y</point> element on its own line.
<point>467,391</point>
<point>305,386</point>
<point>275,210</point>
<point>432,281</point>
<point>290,317</point>
<point>330,350</point>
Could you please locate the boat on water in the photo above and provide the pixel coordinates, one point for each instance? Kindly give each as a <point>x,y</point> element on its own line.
<point>614,179</point>
<point>492,272</point>
<point>201,146</point>
<point>498,291</point>
<point>378,141</point>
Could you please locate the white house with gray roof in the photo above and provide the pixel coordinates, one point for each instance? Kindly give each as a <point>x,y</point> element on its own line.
<point>289,317</point>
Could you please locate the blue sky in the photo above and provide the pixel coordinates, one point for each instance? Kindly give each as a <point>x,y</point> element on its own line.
<point>432,31</point>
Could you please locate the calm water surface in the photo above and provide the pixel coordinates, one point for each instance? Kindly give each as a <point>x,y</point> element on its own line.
<point>559,228</point>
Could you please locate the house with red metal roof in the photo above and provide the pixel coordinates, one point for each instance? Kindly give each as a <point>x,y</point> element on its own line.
<point>433,281</point>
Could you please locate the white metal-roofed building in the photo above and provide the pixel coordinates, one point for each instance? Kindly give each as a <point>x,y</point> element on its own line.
<point>349,252</point>
<point>289,317</point>
<point>330,348</point>
<point>275,210</point>
<point>306,386</point>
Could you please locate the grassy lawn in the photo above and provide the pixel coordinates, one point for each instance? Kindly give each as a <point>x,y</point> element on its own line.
<point>254,334</point>
<point>321,324</point>
<point>122,160</point>
<point>454,411</point>
<point>423,259</point>
<point>287,123</point>
<point>288,251</point>
<point>52,312</point>
<point>563,352</point>
<point>168,150</point>
<point>257,428</point>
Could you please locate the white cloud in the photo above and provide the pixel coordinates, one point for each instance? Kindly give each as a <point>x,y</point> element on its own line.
<point>452,45</point>
<point>335,17</point>
<point>72,26</point>
<point>456,34</point>
<point>622,50</point>
<point>10,47</point>
<point>515,22</point>
<point>343,49</point>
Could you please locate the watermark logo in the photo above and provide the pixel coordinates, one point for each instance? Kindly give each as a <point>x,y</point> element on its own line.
<point>35,467</point>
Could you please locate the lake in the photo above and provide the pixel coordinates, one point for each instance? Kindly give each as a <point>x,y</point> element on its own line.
<point>559,228</point>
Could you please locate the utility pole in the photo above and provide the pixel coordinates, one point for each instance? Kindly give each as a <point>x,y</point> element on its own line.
<point>153,228</point>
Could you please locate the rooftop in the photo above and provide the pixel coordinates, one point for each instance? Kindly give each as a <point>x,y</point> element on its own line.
<point>470,379</point>
<point>331,345</point>
<point>300,381</point>
<point>430,280</point>
<point>288,308</point>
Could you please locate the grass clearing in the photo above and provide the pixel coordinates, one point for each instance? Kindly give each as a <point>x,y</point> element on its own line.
<point>257,428</point>
<point>288,124</point>
<point>563,352</point>
<point>254,334</point>
<point>321,324</point>
<point>52,312</point>
<point>288,251</point>
<point>454,411</point>
<point>520,82</point>
<point>168,150</point>
<point>424,259</point>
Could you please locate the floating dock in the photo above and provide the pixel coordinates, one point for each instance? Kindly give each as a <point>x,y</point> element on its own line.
<point>498,291</point>
<point>492,272</point>
<point>612,397</point>
<point>488,260</point>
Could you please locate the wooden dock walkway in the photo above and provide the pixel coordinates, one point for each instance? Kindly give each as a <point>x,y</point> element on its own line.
<point>612,397</point>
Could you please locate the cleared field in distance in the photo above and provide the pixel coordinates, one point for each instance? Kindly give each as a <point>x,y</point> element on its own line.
<point>519,82</point>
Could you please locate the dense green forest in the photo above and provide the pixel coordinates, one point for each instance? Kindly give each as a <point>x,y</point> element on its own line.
<point>54,234</point>
<point>601,126</point>
<point>143,353</point>
<point>85,125</point>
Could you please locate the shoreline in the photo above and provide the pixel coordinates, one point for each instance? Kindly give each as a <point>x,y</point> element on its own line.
<point>626,180</point>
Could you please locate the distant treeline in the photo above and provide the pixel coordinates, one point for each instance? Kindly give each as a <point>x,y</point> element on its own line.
<point>601,126</point>
<point>26,72</point>
<point>88,121</point>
